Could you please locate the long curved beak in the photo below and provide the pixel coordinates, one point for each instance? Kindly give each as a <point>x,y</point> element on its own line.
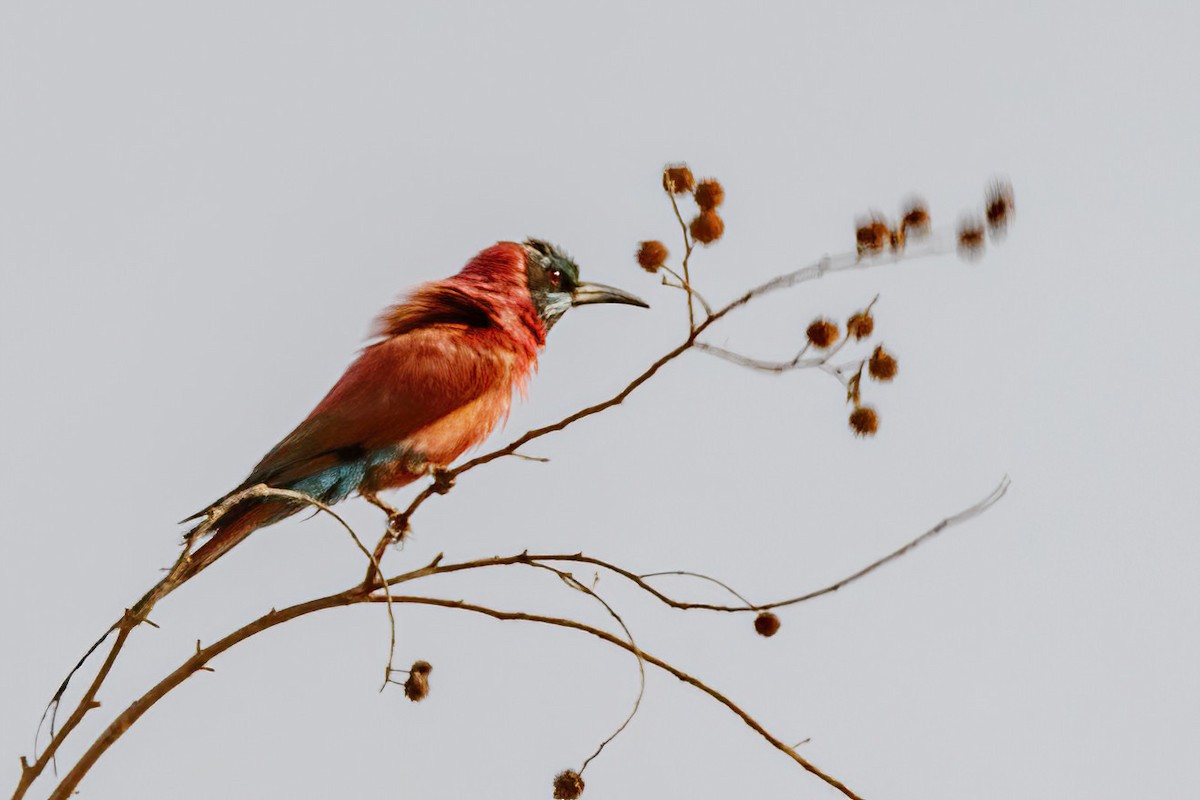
<point>587,293</point>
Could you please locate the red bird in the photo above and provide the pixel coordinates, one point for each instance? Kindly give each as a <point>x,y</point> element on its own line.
<point>435,384</point>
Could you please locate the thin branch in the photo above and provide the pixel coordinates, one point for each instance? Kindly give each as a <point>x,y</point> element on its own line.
<point>710,579</point>
<point>651,659</point>
<point>966,514</point>
<point>570,580</point>
<point>191,666</point>
<point>687,287</point>
<point>689,245</point>
<point>140,611</point>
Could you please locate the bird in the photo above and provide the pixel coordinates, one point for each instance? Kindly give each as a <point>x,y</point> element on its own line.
<point>437,379</point>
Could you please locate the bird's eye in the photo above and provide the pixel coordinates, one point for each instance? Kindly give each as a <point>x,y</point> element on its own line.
<point>555,277</point>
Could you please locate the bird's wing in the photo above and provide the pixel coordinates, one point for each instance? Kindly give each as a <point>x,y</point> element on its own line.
<point>395,388</point>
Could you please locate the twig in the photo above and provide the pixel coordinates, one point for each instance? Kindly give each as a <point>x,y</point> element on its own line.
<point>710,579</point>
<point>650,659</point>
<point>575,584</point>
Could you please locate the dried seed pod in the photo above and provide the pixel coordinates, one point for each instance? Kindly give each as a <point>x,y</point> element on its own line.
<point>864,421</point>
<point>822,333</point>
<point>860,325</point>
<point>970,239</point>
<point>416,688</point>
<point>882,365</point>
<point>872,235</point>
<point>709,194</point>
<point>678,179</point>
<point>915,221</point>
<point>707,227</point>
<point>568,785</point>
<point>766,624</point>
<point>998,206</point>
<point>652,255</point>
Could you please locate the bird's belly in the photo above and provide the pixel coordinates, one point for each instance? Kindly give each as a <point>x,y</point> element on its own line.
<point>439,443</point>
<point>450,436</point>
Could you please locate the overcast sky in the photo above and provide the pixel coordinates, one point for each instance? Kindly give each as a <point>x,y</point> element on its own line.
<point>202,207</point>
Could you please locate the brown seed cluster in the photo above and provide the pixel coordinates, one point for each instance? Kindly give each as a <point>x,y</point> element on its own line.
<point>709,194</point>
<point>864,421</point>
<point>998,206</point>
<point>416,688</point>
<point>766,624</point>
<point>872,235</point>
<point>822,333</point>
<point>568,785</point>
<point>915,221</point>
<point>970,239</point>
<point>860,325</point>
<point>678,179</point>
<point>882,365</point>
<point>652,255</point>
<point>707,227</point>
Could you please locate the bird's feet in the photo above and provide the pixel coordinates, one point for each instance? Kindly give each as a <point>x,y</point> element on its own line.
<point>443,480</point>
<point>397,519</point>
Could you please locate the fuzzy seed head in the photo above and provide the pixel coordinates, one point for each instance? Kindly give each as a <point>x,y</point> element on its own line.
<point>416,688</point>
<point>860,325</point>
<point>864,421</point>
<point>709,194</point>
<point>882,365</point>
<point>822,333</point>
<point>766,624</point>
<point>678,179</point>
<point>652,255</point>
<point>915,222</point>
<point>970,239</point>
<point>998,206</point>
<point>568,785</point>
<point>872,235</point>
<point>707,227</point>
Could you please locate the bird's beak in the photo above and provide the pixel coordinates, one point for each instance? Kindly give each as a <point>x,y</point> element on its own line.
<point>586,293</point>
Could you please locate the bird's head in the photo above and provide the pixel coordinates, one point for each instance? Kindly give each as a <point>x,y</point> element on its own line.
<point>555,287</point>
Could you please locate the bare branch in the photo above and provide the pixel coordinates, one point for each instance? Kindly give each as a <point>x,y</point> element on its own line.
<point>650,659</point>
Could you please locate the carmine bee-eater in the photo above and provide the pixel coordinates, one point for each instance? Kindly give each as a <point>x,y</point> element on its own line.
<point>439,378</point>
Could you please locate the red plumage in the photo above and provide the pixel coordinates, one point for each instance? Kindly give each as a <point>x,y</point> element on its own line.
<point>436,384</point>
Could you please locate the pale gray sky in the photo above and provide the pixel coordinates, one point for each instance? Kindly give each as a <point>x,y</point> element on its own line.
<point>202,207</point>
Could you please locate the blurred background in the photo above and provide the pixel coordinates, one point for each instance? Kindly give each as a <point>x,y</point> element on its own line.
<point>202,207</point>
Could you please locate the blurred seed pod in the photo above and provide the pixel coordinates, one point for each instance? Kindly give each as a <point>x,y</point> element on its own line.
<point>766,624</point>
<point>872,235</point>
<point>709,194</point>
<point>882,366</point>
<point>707,227</point>
<point>860,325</point>
<point>416,688</point>
<point>822,333</point>
<point>652,255</point>
<point>568,785</point>
<point>678,179</point>
<point>864,421</point>
<point>970,239</point>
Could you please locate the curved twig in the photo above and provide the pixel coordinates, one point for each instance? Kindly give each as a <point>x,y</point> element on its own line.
<point>650,659</point>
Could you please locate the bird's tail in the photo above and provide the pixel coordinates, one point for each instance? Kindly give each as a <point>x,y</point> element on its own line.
<point>234,526</point>
<point>222,535</point>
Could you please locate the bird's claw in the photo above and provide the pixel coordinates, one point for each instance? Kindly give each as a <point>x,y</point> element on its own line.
<point>443,481</point>
<point>398,525</point>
